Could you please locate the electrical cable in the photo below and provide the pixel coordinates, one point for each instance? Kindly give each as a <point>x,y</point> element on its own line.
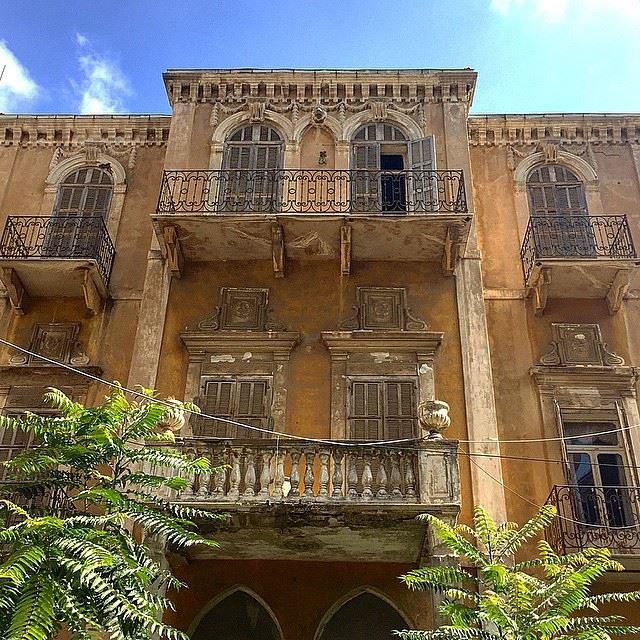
<point>494,441</point>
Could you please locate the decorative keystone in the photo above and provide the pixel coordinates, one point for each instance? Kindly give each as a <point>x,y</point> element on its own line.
<point>433,416</point>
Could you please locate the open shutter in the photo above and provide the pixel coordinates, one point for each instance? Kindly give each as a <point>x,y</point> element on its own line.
<point>252,407</point>
<point>365,177</point>
<point>400,410</point>
<point>366,411</point>
<point>423,183</point>
<point>217,401</point>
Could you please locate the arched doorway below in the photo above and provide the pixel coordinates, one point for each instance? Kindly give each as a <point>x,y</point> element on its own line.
<point>239,616</point>
<point>365,617</point>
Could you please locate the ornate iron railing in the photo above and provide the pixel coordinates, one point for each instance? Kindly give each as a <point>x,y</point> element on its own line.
<point>593,516</point>
<point>310,191</point>
<point>576,237</point>
<point>293,470</point>
<point>48,237</point>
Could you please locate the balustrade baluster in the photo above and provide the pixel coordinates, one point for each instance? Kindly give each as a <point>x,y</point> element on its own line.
<point>309,455</point>
<point>295,474</point>
<point>323,491</point>
<point>338,456</point>
<point>250,474</point>
<point>381,478</point>
<point>279,475</point>
<point>352,476</point>
<point>219,478</point>
<point>265,474</point>
<point>234,476</point>
<point>367,478</point>
<point>396,476</point>
<point>409,477</point>
<point>203,485</point>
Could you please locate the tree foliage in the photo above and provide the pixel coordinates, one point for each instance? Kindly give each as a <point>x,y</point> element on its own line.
<point>547,598</point>
<point>77,553</point>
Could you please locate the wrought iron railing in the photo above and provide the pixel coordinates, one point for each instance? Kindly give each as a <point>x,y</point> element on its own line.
<point>40,237</point>
<point>309,191</point>
<point>576,237</point>
<point>591,516</point>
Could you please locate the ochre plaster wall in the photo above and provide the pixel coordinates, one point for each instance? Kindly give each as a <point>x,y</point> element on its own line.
<point>299,593</point>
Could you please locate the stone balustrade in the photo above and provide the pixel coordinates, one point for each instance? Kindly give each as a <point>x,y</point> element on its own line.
<point>285,470</point>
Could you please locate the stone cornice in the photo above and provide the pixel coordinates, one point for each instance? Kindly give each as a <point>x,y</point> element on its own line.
<point>320,86</point>
<point>567,128</point>
<point>279,343</point>
<point>604,379</point>
<point>423,343</point>
<point>73,131</point>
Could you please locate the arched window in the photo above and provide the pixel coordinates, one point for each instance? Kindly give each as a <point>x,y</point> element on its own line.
<point>365,617</point>
<point>85,192</point>
<point>555,190</point>
<point>250,181</point>
<point>254,147</point>
<point>393,174</point>
<point>239,616</point>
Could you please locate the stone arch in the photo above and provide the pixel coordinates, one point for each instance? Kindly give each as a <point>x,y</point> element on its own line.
<point>68,165</point>
<point>268,623</point>
<point>325,632</point>
<point>580,167</point>
<point>305,122</point>
<point>75,162</point>
<point>233,122</point>
<point>410,127</point>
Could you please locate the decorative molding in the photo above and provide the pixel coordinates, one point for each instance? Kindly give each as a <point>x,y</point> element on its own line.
<point>119,133</point>
<point>607,381</point>
<point>423,343</point>
<point>568,129</point>
<point>579,345</point>
<point>56,341</point>
<point>382,308</point>
<point>242,310</point>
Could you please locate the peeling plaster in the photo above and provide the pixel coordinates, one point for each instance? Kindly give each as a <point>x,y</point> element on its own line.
<point>225,357</point>
<point>247,355</point>
<point>424,368</point>
<point>380,356</point>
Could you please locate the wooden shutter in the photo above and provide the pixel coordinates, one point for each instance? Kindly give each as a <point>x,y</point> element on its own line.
<point>422,184</point>
<point>399,410</point>
<point>365,180</point>
<point>252,407</point>
<point>366,410</point>
<point>217,401</point>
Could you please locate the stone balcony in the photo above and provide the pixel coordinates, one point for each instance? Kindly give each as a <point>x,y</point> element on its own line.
<point>312,214</point>
<point>567,256</point>
<point>295,498</point>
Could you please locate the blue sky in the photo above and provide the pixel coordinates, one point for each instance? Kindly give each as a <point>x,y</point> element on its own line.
<point>85,56</point>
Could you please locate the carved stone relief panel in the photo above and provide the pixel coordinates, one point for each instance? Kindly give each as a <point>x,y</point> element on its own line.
<point>579,344</point>
<point>242,310</point>
<point>382,308</point>
<point>56,341</point>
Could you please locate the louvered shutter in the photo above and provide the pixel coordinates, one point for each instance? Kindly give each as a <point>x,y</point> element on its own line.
<point>366,411</point>
<point>217,401</point>
<point>252,409</point>
<point>423,183</point>
<point>365,178</point>
<point>400,410</point>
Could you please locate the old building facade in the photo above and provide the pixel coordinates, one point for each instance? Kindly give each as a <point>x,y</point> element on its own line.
<point>317,258</point>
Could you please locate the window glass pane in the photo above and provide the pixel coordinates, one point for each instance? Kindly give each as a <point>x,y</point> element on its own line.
<point>611,469</point>
<point>581,467</point>
<point>583,433</point>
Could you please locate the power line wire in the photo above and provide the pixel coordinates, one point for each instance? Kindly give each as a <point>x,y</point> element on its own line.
<point>494,441</point>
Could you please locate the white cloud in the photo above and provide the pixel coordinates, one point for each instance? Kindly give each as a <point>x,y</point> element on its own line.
<point>104,86</point>
<point>17,88</point>
<point>556,11</point>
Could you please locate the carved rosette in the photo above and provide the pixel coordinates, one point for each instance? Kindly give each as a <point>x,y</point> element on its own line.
<point>433,417</point>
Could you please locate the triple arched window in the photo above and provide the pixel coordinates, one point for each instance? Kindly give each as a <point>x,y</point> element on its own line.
<point>555,190</point>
